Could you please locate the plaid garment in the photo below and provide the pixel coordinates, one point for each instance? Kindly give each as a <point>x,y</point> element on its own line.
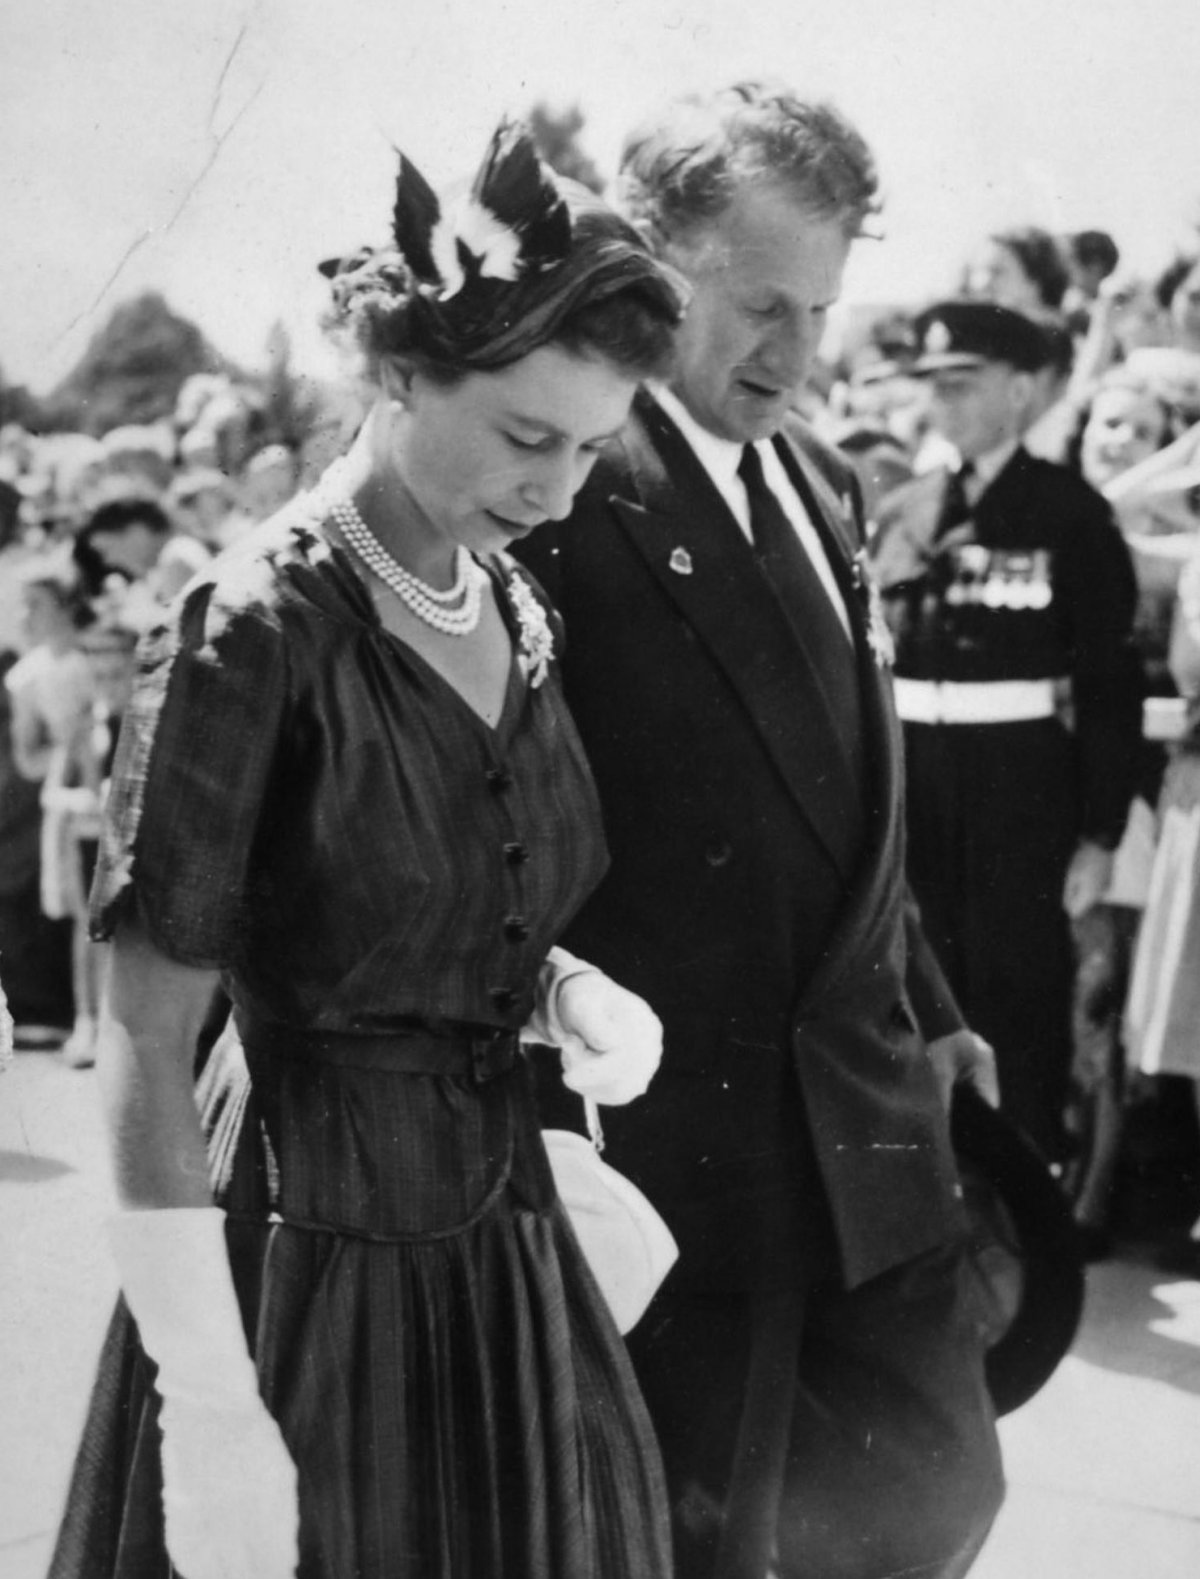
<point>302,801</point>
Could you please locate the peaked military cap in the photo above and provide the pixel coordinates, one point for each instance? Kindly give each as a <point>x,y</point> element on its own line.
<point>969,334</point>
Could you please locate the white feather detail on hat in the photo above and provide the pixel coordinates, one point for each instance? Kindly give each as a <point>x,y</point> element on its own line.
<point>496,246</point>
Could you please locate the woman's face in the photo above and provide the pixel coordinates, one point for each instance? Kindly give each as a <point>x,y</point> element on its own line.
<point>1123,427</point>
<point>996,275</point>
<point>492,457</point>
<point>1185,310</point>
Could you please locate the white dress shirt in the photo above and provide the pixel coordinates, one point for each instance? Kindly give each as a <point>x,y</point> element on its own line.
<point>721,458</point>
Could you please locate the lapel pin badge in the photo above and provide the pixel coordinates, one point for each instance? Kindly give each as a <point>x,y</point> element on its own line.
<point>680,562</point>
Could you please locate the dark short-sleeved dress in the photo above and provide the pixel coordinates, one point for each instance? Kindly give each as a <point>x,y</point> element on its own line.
<point>302,801</point>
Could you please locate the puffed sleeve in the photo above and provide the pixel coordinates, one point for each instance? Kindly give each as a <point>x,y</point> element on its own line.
<point>192,775</point>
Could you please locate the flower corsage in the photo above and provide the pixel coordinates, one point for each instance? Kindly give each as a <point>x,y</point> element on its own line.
<point>879,632</point>
<point>535,649</point>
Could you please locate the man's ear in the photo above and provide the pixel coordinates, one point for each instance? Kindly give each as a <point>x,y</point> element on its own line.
<point>1021,388</point>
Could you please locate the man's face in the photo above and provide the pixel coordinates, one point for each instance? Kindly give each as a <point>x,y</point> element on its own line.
<point>979,408</point>
<point>763,275</point>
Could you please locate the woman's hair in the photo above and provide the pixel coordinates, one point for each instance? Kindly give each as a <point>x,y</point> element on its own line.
<point>1173,276</point>
<point>116,515</point>
<point>1041,258</point>
<point>684,168</point>
<point>567,271</point>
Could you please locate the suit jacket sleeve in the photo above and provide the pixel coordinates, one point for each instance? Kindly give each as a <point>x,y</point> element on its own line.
<point>933,1003</point>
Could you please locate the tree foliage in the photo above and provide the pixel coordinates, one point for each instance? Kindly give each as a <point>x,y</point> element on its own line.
<point>133,368</point>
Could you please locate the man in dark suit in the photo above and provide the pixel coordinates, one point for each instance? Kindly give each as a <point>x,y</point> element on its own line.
<point>1011,594</point>
<point>811,1367</point>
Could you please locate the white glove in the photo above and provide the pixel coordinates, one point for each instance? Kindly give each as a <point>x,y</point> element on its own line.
<point>611,1039</point>
<point>229,1484</point>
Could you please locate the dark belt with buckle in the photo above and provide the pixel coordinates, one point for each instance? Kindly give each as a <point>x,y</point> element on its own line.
<point>481,1055</point>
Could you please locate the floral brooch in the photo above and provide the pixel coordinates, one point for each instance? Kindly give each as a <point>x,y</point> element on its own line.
<point>879,632</point>
<point>535,648</point>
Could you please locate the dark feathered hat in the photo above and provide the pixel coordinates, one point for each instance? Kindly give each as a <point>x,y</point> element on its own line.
<point>488,272</point>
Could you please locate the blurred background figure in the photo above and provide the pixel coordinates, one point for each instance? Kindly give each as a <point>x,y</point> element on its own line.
<point>1163,1018</point>
<point>1178,292</point>
<point>140,456</point>
<point>73,797</point>
<point>1011,596</point>
<point>128,550</point>
<point>1127,420</point>
<point>1022,268</point>
<point>1091,258</point>
<point>48,691</point>
<point>203,505</point>
<point>1025,269</point>
<point>1130,432</point>
<point>880,459</point>
<point>269,481</point>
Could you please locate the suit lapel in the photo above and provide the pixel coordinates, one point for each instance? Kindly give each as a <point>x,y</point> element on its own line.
<point>833,519</point>
<point>692,545</point>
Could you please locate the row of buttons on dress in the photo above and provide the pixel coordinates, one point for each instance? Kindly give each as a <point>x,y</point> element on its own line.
<point>516,927</point>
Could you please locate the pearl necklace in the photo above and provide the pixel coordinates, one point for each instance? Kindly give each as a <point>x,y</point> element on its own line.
<point>426,602</point>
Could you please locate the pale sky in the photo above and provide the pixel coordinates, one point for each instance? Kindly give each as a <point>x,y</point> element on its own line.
<point>217,149</point>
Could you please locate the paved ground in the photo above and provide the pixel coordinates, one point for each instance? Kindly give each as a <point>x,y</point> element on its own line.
<point>1104,1464</point>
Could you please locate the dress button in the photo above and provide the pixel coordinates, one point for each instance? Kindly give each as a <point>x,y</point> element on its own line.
<point>516,929</point>
<point>718,852</point>
<point>515,853</point>
<point>503,997</point>
<point>498,780</point>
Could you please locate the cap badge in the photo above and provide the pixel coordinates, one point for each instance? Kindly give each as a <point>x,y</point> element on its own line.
<point>938,339</point>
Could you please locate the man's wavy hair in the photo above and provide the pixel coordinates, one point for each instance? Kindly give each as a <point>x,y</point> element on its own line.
<point>684,168</point>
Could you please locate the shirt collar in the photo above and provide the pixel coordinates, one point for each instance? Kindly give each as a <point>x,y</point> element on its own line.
<point>987,467</point>
<point>719,457</point>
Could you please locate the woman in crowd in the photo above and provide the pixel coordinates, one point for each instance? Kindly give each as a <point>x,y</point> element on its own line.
<point>50,695</point>
<point>1022,268</point>
<point>1178,292</point>
<point>1128,421</point>
<point>1025,269</point>
<point>348,789</point>
<point>1163,1014</point>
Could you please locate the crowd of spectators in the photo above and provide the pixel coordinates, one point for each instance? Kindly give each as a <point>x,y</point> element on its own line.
<point>1120,405</point>
<point>98,533</point>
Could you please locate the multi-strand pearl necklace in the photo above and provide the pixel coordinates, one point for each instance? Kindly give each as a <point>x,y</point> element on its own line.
<point>434,608</point>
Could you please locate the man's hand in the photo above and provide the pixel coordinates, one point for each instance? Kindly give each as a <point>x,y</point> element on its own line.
<point>965,1057</point>
<point>1088,877</point>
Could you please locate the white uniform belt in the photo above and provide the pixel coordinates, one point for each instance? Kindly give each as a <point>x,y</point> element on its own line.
<point>976,701</point>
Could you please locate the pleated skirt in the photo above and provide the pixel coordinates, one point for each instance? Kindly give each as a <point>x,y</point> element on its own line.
<point>455,1395</point>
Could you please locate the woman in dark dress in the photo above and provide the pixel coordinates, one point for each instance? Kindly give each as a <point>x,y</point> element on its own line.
<point>348,790</point>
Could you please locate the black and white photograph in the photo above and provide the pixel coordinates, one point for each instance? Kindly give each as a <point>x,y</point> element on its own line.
<point>599,790</point>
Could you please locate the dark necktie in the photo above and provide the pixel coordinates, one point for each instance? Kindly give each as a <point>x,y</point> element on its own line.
<point>956,506</point>
<point>805,602</point>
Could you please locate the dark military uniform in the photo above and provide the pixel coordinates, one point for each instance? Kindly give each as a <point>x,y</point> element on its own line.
<point>1020,692</point>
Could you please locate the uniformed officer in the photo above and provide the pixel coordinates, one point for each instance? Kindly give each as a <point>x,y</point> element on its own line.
<point>1011,597</point>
